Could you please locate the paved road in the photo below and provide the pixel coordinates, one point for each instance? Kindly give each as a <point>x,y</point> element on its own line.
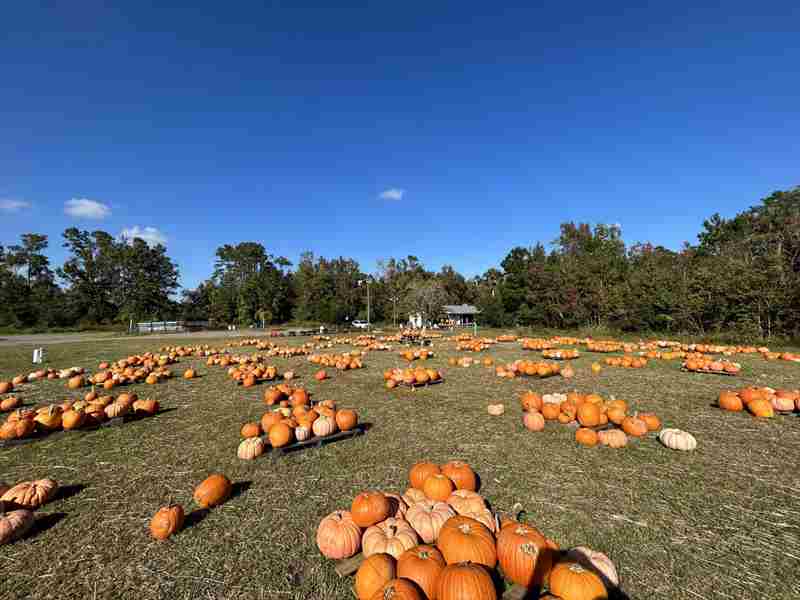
<point>42,339</point>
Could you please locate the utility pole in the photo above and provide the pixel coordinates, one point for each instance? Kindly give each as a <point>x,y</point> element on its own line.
<point>367,281</point>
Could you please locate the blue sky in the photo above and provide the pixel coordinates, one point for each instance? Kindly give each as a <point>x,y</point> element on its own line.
<point>284,123</point>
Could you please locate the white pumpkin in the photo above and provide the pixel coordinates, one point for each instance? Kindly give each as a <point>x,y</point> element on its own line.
<point>250,448</point>
<point>498,409</point>
<point>301,433</point>
<point>677,439</point>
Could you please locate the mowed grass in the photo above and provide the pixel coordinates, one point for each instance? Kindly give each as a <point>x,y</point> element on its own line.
<point>720,522</point>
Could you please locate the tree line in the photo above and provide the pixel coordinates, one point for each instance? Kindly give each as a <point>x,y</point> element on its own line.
<point>741,276</point>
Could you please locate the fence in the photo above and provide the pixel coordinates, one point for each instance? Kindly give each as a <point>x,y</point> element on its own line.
<point>168,326</point>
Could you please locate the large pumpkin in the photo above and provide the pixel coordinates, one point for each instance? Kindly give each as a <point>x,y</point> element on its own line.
<point>370,507</point>
<point>571,581</point>
<point>676,439</point>
<point>338,536</point>
<point>280,435</point>
<point>392,536</point>
<point>533,421</point>
<point>399,589</point>
<point>30,495</point>
<point>375,572</point>
<point>422,565</point>
<point>427,518</point>
<point>420,472</point>
<point>464,539</point>
<point>167,521</point>
<point>464,581</point>
<point>461,474</point>
<point>524,555</point>
<point>213,491</point>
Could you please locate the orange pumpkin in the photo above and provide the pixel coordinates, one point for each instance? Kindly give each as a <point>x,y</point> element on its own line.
<point>464,580</point>
<point>438,487</point>
<point>370,507</point>
<point>423,565</point>
<point>586,437</point>
<point>346,419</point>
<point>461,474</point>
<point>280,434</point>
<point>399,589</point>
<point>524,555</point>
<point>375,572</point>
<point>571,581</point>
<point>634,426</point>
<point>420,472</point>
<point>463,539</point>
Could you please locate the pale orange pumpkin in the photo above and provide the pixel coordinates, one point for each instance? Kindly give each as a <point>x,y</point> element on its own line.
<point>392,536</point>
<point>427,518</point>
<point>338,536</point>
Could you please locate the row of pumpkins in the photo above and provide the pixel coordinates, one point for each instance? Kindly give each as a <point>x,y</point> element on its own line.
<point>760,402</point>
<point>707,364</point>
<point>412,355</point>
<point>560,354</point>
<point>440,541</point>
<point>590,411</point>
<point>17,506</point>
<point>418,376</point>
<point>343,362</point>
<point>528,368</point>
<point>627,361</point>
<point>74,414</point>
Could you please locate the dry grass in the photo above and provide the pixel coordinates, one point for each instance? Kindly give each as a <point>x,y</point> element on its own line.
<point>720,522</point>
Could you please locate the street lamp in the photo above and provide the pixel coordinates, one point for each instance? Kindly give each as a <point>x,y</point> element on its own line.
<point>368,280</point>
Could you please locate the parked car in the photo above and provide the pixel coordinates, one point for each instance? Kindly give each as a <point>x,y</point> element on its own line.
<point>360,324</point>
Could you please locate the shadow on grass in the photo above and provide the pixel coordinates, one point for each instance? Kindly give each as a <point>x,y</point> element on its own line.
<point>195,517</point>
<point>239,488</point>
<point>68,491</point>
<point>44,522</point>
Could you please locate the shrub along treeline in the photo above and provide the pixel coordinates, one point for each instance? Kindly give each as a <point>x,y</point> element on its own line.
<point>742,277</point>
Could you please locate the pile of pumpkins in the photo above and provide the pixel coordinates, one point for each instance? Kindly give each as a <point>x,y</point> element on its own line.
<point>780,356</point>
<point>74,414</point>
<point>249,375</point>
<point>412,355</point>
<point>561,354</point>
<point>18,503</point>
<point>439,540</point>
<point>705,364</point>
<point>410,377</point>
<point>471,346</point>
<point>291,351</point>
<point>343,362</point>
<point>537,344</point>
<point>587,411</point>
<point>506,337</point>
<point>604,346</point>
<point>291,418</point>
<point>467,361</point>
<point>528,368</point>
<point>669,355</point>
<point>760,402</point>
<point>627,361</point>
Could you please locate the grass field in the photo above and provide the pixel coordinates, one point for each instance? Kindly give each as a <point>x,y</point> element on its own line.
<point>720,522</point>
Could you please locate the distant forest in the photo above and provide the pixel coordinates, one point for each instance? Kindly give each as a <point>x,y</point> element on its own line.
<point>742,277</point>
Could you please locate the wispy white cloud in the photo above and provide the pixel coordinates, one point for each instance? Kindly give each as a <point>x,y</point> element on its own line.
<point>13,204</point>
<point>150,235</point>
<point>393,194</point>
<point>83,208</point>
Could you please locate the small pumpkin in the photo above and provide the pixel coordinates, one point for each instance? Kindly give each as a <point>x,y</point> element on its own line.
<point>346,419</point>
<point>302,433</point>
<point>370,507</point>
<point>10,403</point>
<point>213,491</point>
<point>280,435</point>
<point>438,487</point>
<point>495,410</point>
<point>461,474</point>
<point>613,438</point>
<point>676,439</point>
<point>250,430</point>
<point>420,471</point>
<point>586,437</point>
<point>338,536</point>
<point>167,521</point>
<point>250,448</point>
<point>375,572</point>
<point>652,421</point>
<point>634,426</point>
<point>392,536</point>
<point>533,421</point>
<point>73,419</point>
<point>413,495</point>
<point>730,401</point>
<point>761,408</point>
<point>324,426</point>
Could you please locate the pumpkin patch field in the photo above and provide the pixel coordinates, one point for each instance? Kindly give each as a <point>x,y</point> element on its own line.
<point>709,511</point>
